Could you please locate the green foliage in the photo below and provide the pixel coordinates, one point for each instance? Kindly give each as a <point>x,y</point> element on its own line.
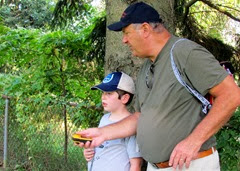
<point>209,19</point>
<point>45,73</point>
<point>27,13</point>
<point>55,65</point>
<point>38,145</point>
<point>98,38</point>
<point>228,139</point>
<point>3,29</point>
<point>71,13</point>
<point>213,25</point>
<point>48,76</point>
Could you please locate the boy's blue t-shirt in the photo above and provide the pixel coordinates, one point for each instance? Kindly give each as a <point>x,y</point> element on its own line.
<point>114,154</point>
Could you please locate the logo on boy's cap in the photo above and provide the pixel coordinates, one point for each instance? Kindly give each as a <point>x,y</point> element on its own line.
<point>116,81</point>
<point>108,78</point>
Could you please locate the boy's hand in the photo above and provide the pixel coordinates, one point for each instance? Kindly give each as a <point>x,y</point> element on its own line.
<point>97,137</point>
<point>88,153</point>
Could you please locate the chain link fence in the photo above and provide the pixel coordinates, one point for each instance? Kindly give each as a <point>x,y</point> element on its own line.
<point>41,141</point>
<point>39,138</point>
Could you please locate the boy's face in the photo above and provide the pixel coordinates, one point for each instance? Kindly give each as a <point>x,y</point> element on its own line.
<point>110,101</point>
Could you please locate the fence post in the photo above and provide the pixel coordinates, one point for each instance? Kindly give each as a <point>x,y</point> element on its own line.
<point>5,132</point>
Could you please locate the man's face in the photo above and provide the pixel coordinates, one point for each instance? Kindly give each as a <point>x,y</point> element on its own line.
<point>133,38</point>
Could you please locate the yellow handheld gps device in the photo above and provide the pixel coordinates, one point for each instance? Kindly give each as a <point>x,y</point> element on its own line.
<point>77,139</point>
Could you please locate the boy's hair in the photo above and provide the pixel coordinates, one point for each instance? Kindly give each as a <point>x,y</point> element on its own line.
<point>122,92</point>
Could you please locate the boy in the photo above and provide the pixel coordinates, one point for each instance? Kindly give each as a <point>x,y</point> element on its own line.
<point>119,154</point>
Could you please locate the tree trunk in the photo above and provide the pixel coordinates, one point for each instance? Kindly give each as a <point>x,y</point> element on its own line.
<point>118,57</point>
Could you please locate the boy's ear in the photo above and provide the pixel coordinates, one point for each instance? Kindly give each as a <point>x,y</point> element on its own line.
<point>125,98</point>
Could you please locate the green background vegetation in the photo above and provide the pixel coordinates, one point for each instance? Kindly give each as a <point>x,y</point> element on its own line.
<point>48,63</point>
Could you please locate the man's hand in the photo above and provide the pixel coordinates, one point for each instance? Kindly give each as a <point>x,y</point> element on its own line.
<point>124,128</point>
<point>227,99</point>
<point>88,153</point>
<point>95,134</point>
<point>183,153</point>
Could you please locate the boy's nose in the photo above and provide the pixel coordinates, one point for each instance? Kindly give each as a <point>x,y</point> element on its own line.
<point>124,39</point>
<point>103,96</point>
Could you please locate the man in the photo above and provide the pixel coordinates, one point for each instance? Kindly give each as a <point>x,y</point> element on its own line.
<point>172,130</point>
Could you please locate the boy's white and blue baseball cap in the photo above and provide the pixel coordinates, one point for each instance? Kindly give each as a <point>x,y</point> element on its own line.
<point>116,81</point>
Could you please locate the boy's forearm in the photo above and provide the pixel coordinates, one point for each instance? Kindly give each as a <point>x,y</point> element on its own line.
<point>135,168</point>
<point>124,128</point>
<point>136,164</point>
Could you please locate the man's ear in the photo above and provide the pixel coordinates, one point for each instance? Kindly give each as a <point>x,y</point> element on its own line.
<point>146,28</point>
<point>125,98</point>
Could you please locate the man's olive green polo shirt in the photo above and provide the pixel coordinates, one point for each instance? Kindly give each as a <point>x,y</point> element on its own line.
<point>169,113</point>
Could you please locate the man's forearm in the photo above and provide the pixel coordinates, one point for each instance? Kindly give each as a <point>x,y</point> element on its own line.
<point>121,129</point>
<point>209,126</point>
<point>226,101</point>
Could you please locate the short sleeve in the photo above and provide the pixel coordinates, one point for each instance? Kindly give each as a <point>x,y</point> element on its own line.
<point>132,147</point>
<point>200,68</point>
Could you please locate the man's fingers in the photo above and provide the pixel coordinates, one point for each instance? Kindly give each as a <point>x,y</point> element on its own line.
<point>181,162</point>
<point>80,144</point>
<point>176,161</point>
<point>172,158</point>
<point>188,162</point>
<point>83,133</point>
<point>93,144</point>
<point>87,144</point>
<point>84,145</point>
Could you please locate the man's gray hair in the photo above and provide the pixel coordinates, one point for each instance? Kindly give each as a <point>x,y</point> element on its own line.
<point>157,27</point>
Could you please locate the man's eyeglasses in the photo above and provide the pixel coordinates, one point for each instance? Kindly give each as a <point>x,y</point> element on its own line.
<point>150,77</point>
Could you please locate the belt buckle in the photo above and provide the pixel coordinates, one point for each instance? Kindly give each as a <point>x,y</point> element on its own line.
<point>154,165</point>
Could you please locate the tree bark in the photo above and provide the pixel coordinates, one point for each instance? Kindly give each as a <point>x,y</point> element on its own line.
<point>118,57</point>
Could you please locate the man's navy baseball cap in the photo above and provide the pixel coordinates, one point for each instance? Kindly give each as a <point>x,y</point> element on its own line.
<point>136,13</point>
<point>116,81</point>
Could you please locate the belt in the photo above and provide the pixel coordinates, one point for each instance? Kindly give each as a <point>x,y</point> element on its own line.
<point>201,154</point>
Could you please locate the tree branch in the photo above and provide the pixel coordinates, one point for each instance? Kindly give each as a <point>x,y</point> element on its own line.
<point>187,6</point>
<point>210,4</point>
<point>231,8</point>
<point>6,97</point>
<point>190,3</point>
<point>206,11</point>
